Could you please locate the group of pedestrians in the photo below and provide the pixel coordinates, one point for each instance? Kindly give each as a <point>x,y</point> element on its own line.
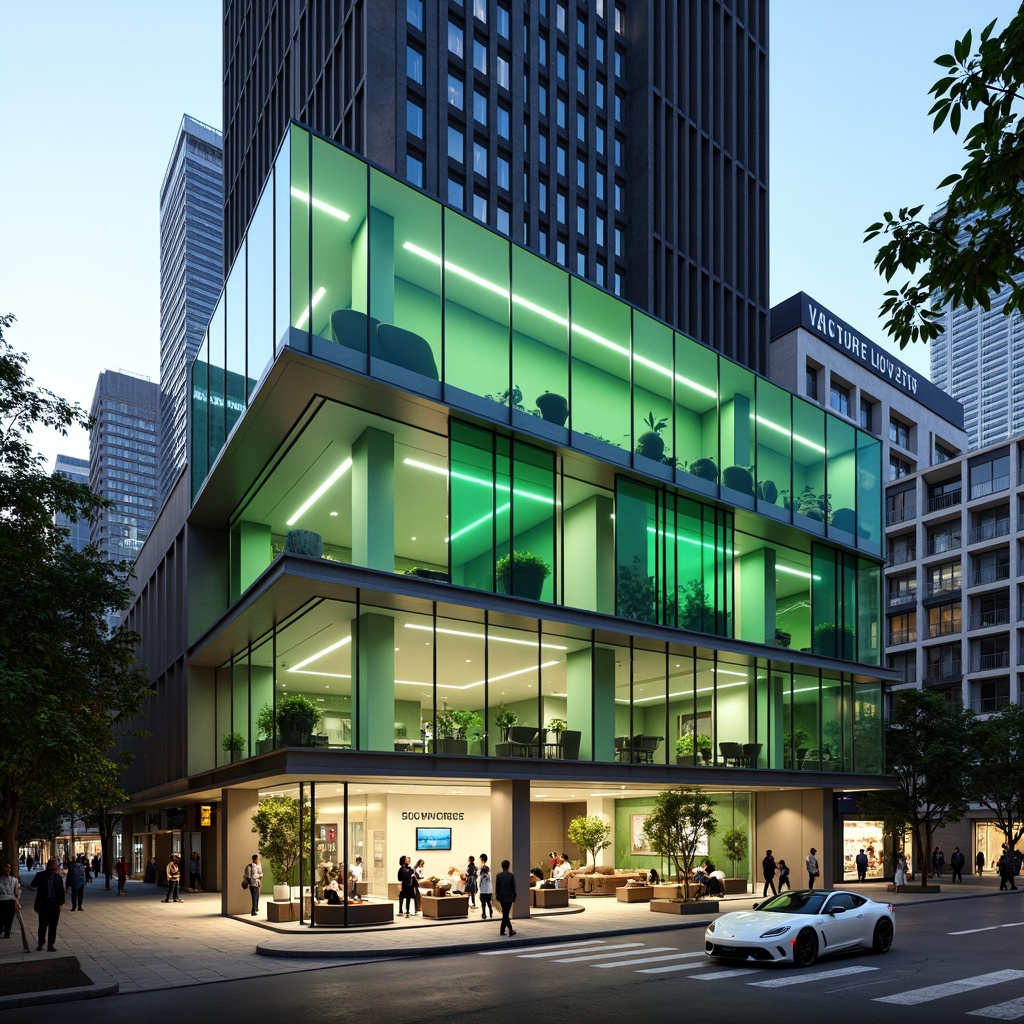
<point>770,868</point>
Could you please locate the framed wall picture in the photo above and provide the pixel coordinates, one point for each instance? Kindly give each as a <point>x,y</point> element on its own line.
<point>637,843</point>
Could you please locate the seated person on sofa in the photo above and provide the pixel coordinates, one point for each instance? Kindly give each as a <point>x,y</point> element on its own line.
<point>561,869</point>
<point>537,880</point>
<point>455,879</point>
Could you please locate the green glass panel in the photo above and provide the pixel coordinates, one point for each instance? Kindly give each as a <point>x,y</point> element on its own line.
<point>235,307</point>
<point>540,334</point>
<point>473,504</point>
<point>696,389</point>
<point>300,218</point>
<point>199,421</point>
<point>870,493</point>
<point>868,726</point>
<point>636,562</point>
<point>283,238</point>
<point>262,695</point>
<point>600,365</point>
<point>774,428</point>
<point>653,427</point>
<point>734,694</point>
<point>737,426</point>
<point>806,496</point>
<point>514,657</point>
<point>650,705</point>
<point>405,274</point>
<point>476,325</point>
<point>869,610</point>
<point>806,716</point>
<point>826,607</point>
<point>239,707</point>
<point>260,290</point>
<point>341,240</point>
<point>218,384</point>
<point>841,479</point>
<point>533,524</point>
<point>834,746</point>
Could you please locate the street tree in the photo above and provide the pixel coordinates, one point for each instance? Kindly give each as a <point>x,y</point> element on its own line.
<point>591,834</point>
<point>283,824</point>
<point>681,821</point>
<point>929,751</point>
<point>70,686</point>
<point>998,778</point>
<point>971,251</point>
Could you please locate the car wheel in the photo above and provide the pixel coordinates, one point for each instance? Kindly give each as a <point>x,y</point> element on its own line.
<point>805,948</point>
<point>882,939</point>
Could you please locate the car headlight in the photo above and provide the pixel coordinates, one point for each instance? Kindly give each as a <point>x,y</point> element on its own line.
<point>711,927</point>
<point>780,930</point>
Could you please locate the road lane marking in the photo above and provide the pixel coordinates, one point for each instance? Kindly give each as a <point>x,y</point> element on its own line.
<point>990,928</point>
<point>653,960</point>
<point>801,979</point>
<point>719,974</point>
<point>951,988</point>
<point>1012,1009</point>
<point>559,947</point>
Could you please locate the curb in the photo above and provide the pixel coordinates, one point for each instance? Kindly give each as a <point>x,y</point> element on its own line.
<point>62,995</point>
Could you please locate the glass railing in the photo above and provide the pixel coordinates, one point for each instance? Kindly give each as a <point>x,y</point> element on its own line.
<point>943,586</point>
<point>989,531</point>
<point>942,629</point>
<point>902,636</point>
<point>987,662</point>
<point>990,574</point>
<point>899,515</point>
<point>999,483</point>
<point>996,617</point>
<point>901,556</point>
<point>938,545</point>
<point>902,597</point>
<point>947,672</point>
<point>988,705</point>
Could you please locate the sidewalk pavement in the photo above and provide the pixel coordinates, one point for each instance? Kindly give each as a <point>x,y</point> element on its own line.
<point>136,943</point>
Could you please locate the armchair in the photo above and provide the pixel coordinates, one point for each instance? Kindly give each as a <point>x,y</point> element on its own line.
<point>732,754</point>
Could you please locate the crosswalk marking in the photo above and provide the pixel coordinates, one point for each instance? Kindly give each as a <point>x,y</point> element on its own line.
<point>656,959</point>
<point>605,956</point>
<point>801,979</point>
<point>1013,1009</point>
<point>670,967</point>
<point>561,947</point>
<point>950,988</point>
<point>718,975</point>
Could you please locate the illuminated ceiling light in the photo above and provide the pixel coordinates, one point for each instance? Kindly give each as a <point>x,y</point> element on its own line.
<point>320,654</point>
<point>813,445</point>
<point>319,204</point>
<point>796,572</point>
<point>504,488</point>
<point>489,636</point>
<point>321,490</point>
<point>479,522</point>
<point>317,296</point>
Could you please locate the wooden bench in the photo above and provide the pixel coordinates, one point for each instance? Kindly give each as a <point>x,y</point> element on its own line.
<point>445,906</point>
<point>333,914</point>
<point>547,898</point>
<point>278,912</point>
<point>635,893</point>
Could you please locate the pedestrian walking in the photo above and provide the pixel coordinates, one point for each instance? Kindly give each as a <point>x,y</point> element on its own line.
<point>195,874</point>
<point>121,870</point>
<point>407,879</point>
<point>486,892</point>
<point>471,884</point>
<point>355,874</point>
<point>813,871</point>
<point>956,864</point>
<point>49,890</point>
<point>1005,868</point>
<point>783,875</point>
<point>768,869</point>
<point>76,883</point>
<point>899,877</point>
<point>10,898</point>
<point>861,860</point>
<point>505,891</point>
<point>252,879</point>
<point>979,862</point>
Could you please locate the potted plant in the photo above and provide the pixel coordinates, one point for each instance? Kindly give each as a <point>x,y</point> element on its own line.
<point>453,726</point>
<point>796,742</point>
<point>427,574</point>
<point>266,729</point>
<point>296,717</point>
<point>280,839</point>
<point>685,747</point>
<point>734,842</point>
<point>705,469</point>
<point>557,725</point>
<point>739,478</point>
<point>651,445</point>
<point>512,397</point>
<point>504,719</point>
<point>680,821</point>
<point>232,743</point>
<point>522,573</point>
<point>591,834</point>
<point>833,641</point>
<point>553,408</point>
<point>809,504</point>
<point>767,491</point>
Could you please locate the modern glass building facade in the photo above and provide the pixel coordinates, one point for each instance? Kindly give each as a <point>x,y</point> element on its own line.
<point>78,471</point>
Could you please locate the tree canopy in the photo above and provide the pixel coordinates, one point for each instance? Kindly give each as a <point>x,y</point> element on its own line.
<point>277,820</point>
<point>971,251</point>
<point>929,749</point>
<point>998,776</point>
<point>591,834</point>
<point>682,819</point>
<point>70,686</point>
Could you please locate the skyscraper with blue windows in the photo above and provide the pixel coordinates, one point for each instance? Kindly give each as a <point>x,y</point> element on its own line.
<point>191,274</point>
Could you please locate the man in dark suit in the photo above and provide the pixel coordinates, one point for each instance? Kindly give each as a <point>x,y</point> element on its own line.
<point>505,894</point>
<point>49,887</point>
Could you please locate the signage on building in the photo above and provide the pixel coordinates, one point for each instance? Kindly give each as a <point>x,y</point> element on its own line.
<point>801,310</point>
<point>205,814</point>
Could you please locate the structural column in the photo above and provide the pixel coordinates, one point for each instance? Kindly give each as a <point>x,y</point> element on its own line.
<point>590,701</point>
<point>237,807</point>
<point>510,837</point>
<point>373,500</point>
<point>374,672</point>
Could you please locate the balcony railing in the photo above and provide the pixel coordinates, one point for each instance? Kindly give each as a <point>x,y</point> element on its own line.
<point>903,636</point>
<point>989,531</point>
<point>943,629</point>
<point>943,501</point>
<point>900,556</point>
<point>944,673</point>
<point>909,674</point>
<point>937,545</point>
<point>987,662</point>
<point>900,515</point>
<point>944,586</point>
<point>996,617</point>
<point>988,705</point>
<point>990,574</point>
<point>902,597</point>
<point>999,483</point>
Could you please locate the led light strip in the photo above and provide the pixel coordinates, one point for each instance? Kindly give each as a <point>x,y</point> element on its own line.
<point>319,204</point>
<point>304,316</point>
<point>488,636</point>
<point>491,679</point>
<point>320,654</point>
<point>456,475</point>
<point>321,490</point>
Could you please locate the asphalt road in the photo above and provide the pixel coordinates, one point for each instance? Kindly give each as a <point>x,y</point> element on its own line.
<point>958,960</point>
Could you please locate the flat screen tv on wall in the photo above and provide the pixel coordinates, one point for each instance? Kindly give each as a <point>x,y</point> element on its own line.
<point>433,838</point>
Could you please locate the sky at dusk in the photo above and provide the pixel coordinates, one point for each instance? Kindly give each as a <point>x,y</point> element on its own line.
<point>94,94</point>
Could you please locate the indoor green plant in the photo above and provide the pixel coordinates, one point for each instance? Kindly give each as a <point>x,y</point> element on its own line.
<point>704,468</point>
<point>833,641</point>
<point>504,719</point>
<point>554,408</point>
<point>557,725</point>
<point>453,725</point>
<point>685,745</point>
<point>809,504</point>
<point>734,842</point>
<point>522,573</point>
<point>651,444</point>
<point>277,820</point>
<point>232,743</point>
<point>296,717</point>
<point>265,728</point>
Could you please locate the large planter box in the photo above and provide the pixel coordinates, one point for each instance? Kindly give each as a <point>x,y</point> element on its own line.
<point>735,886</point>
<point>277,912</point>
<point>701,907</point>
<point>445,906</point>
<point>666,891</point>
<point>634,893</point>
<point>547,898</point>
<point>333,915</point>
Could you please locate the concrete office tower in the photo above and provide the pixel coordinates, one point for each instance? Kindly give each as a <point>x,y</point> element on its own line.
<point>191,274</point>
<point>979,360</point>
<point>625,142</point>
<point>124,461</point>
<point>78,471</point>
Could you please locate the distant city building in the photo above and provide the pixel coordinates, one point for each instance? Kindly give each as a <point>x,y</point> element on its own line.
<point>78,471</point>
<point>979,360</point>
<point>191,274</point>
<point>626,142</point>
<point>124,461</point>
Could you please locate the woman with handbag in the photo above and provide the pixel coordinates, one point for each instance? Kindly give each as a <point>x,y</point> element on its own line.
<point>470,889</point>
<point>252,879</point>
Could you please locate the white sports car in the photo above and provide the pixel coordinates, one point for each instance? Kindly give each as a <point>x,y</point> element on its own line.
<point>800,925</point>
